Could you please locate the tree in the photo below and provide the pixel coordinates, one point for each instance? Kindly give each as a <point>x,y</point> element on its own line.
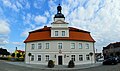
<point>4,52</point>
<point>13,55</point>
<point>91,54</point>
<point>29,54</point>
<point>18,55</point>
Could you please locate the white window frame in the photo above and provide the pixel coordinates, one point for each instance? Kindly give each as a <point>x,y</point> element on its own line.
<point>47,45</point>
<point>56,33</point>
<point>33,46</point>
<point>47,58</point>
<point>60,45</point>
<point>40,46</point>
<point>39,57</point>
<point>32,57</point>
<point>63,33</point>
<point>73,57</point>
<point>80,45</point>
<point>87,46</point>
<point>80,57</point>
<point>72,45</point>
<point>87,57</point>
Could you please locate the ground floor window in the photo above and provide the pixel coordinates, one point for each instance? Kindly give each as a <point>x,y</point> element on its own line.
<point>73,57</point>
<point>87,57</point>
<point>80,57</point>
<point>39,57</point>
<point>32,57</point>
<point>47,58</point>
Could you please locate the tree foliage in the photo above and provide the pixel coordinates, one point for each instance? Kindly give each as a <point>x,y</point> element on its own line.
<point>18,55</point>
<point>13,55</point>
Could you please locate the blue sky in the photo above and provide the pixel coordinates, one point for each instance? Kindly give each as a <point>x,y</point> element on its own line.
<point>18,17</point>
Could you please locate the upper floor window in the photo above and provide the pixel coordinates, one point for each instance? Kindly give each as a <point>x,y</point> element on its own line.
<point>73,57</point>
<point>56,33</point>
<point>39,45</point>
<point>39,57</point>
<point>47,45</point>
<point>32,46</point>
<point>46,57</point>
<point>80,57</point>
<point>32,57</point>
<point>59,45</point>
<point>63,33</point>
<point>87,57</point>
<point>80,46</point>
<point>87,46</point>
<point>72,45</point>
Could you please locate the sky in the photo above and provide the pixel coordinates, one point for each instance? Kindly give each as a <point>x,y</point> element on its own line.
<point>18,17</point>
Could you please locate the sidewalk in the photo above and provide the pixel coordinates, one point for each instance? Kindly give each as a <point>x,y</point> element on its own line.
<point>57,67</point>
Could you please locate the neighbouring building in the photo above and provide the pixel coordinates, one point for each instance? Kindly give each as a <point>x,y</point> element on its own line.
<point>20,52</point>
<point>59,43</point>
<point>113,49</point>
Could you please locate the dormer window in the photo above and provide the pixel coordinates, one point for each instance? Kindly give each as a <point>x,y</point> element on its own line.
<point>56,33</point>
<point>63,33</point>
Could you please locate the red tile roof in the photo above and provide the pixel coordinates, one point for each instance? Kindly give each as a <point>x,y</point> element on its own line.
<point>20,51</point>
<point>45,34</point>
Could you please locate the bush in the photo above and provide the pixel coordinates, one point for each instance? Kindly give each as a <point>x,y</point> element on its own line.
<point>51,64</point>
<point>71,64</point>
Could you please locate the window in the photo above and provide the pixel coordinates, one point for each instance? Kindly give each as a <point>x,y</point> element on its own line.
<point>59,45</point>
<point>80,46</point>
<point>32,57</point>
<point>80,57</point>
<point>47,45</point>
<point>72,45</point>
<point>39,57</point>
<point>56,33</point>
<point>63,33</point>
<point>32,46</point>
<point>39,45</point>
<point>87,46</point>
<point>87,57</point>
<point>47,58</point>
<point>73,57</point>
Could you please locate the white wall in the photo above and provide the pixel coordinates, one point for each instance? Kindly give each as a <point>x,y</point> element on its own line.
<point>53,50</point>
<point>60,32</point>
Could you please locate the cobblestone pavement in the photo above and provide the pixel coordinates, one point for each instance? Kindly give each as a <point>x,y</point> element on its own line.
<point>10,67</point>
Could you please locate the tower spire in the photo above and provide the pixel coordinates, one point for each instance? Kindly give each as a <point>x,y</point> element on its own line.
<point>59,8</point>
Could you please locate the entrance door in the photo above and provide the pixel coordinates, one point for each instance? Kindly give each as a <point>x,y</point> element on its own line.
<point>59,60</point>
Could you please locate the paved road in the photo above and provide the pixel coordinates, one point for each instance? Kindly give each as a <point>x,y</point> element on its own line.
<point>9,67</point>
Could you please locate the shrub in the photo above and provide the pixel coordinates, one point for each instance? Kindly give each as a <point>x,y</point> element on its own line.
<point>51,64</point>
<point>71,64</point>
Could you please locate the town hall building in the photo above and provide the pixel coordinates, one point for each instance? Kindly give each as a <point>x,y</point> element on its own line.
<point>59,43</point>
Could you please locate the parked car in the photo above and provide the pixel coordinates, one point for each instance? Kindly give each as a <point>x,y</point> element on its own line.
<point>110,61</point>
<point>118,59</point>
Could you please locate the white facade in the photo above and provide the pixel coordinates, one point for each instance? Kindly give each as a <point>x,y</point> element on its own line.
<point>53,51</point>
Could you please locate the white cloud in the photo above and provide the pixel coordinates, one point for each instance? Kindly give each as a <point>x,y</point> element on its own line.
<point>25,33</point>
<point>27,5</point>
<point>16,6</point>
<point>3,39</point>
<point>39,3</point>
<point>100,17</point>
<point>17,43</point>
<point>4,27</point>
<point>40,19</point>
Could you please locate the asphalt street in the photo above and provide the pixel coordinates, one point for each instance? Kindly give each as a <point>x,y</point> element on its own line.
<point>10,67</point>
